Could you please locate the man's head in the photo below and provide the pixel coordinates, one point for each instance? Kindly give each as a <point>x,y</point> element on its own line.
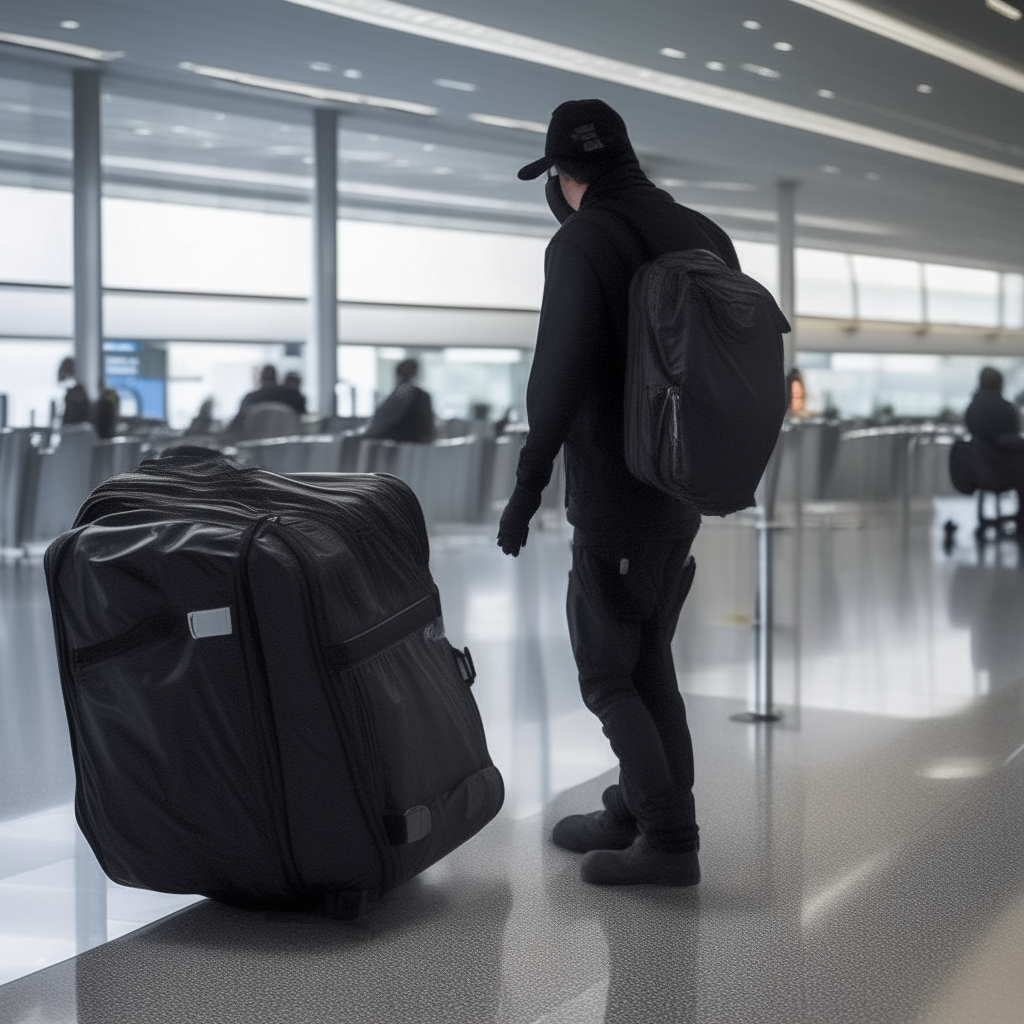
<point>584,137</point>
<point>292,380</point>
<point>990,379</point>
<point>268,376</point>
<point>66,370</point>
<point>407,370</point>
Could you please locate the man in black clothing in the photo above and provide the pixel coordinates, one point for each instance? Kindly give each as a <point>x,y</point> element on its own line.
<point>631,567</point>
<point>407,414</point>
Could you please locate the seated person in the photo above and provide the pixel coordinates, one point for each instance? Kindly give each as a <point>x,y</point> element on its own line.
<point>203,422</point>
<point>407,414</point>
<point>77,407</point>
<point>269,391</point>
<point>990,418</point>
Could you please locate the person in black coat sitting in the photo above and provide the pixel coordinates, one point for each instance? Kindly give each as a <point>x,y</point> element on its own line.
<point>268,391</point>
<point>407,414</point>
<point>990,418</point>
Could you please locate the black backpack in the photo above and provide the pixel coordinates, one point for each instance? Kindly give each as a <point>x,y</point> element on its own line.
<point>705,382</point>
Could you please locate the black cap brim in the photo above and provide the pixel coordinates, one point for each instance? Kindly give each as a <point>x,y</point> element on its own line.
<point>536,169</point>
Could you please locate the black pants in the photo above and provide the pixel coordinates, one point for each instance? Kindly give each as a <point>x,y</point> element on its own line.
<point>623,604</point>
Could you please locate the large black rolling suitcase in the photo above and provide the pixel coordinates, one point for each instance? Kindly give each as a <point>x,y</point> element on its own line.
<point>262,702</point>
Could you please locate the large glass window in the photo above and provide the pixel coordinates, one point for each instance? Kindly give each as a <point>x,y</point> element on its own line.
<point>960,295</point>
<point>888,289</point>
<point>824,284</point>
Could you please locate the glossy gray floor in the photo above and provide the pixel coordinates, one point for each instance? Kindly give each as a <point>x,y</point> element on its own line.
<point>863,859</point>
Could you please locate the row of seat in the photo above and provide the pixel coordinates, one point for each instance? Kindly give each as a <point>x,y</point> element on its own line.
<point>457,480</point>
<point>822,462</point>
<point>43,480</point>
<point>42,485</point>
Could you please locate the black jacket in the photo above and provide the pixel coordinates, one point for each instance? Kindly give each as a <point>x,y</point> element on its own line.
<point>992,419</point>
<point>281,393</point>
<point>575,394</point>
<point>407,414</point>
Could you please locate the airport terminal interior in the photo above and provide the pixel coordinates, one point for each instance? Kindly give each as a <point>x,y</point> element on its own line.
<point>193,192</point>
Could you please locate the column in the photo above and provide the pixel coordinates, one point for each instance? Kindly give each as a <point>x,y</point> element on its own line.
<point>787,264</point>
<point>88,265</point>
<point>322,347</point>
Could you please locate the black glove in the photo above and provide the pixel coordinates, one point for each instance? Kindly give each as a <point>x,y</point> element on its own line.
<point>515,520</point>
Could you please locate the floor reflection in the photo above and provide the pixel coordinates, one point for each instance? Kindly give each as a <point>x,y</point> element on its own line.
<point>861,859</point>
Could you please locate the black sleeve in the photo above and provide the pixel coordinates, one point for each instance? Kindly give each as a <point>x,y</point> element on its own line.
<point>573,327</point>
<point>390,414</point>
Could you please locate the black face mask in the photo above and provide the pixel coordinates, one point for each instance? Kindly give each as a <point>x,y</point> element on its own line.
<point>556,201</point>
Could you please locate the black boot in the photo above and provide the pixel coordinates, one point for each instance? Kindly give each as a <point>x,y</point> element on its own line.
<point>599,830</point>
<point>640,864</point>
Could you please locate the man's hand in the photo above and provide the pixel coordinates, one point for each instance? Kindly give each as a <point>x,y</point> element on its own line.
<point>515,520</point>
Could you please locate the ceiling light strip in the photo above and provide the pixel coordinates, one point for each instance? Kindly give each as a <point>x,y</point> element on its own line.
<point>442,27</point>
<point>903,32</point>
<point>59,46</point>
<point>539,127</point>
<point>248,176</point>
<point>315,92</point>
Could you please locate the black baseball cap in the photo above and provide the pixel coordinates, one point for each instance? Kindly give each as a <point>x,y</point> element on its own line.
<point>580,130</point>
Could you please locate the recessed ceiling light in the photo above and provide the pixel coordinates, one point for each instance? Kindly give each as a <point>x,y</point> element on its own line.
<point>206,144</point>
<point>308,160</point>
<point>872,176</point>
<point>783,47</point>
<point>373,138</point>
<point>180,129</point>
<point>451,83</point>
<point>760,69</point>
<point>352,73</point>
<point>520,124</point>
<point>444,170</point>
<point>427,24</point>
<point>872,20</point>
<point>402,162</point>
<point>672,182</point>
<point>70,24</point>
<point>715,65</point>
<point>143,131</point>
<point>751,24</point>
<point>320,65</point>
<point>829,168</point>
<point>1003,8</point>
<point>302,89</point>
<point>511,122</point>
<point>284,127</point>
<point>925,88</point>
<point>671,51</point>
<point>826,94</point>
<point>429,147</point>
<point>219,117</point>
<point>59,46</point>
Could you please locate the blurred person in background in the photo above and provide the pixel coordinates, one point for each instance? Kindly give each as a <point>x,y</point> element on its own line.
<point>407,414</point>
<point>203,422</point>
<point>797,393</point>
<point>269,391</point>
<point>108,408</point>
<point>77,408</point>
<point>990,418</point>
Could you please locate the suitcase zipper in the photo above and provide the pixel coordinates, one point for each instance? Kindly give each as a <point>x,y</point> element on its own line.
<point>262,708</point>
<point>368,800</point>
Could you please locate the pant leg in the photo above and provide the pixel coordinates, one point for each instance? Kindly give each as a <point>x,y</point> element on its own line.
<point>614,619</point>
